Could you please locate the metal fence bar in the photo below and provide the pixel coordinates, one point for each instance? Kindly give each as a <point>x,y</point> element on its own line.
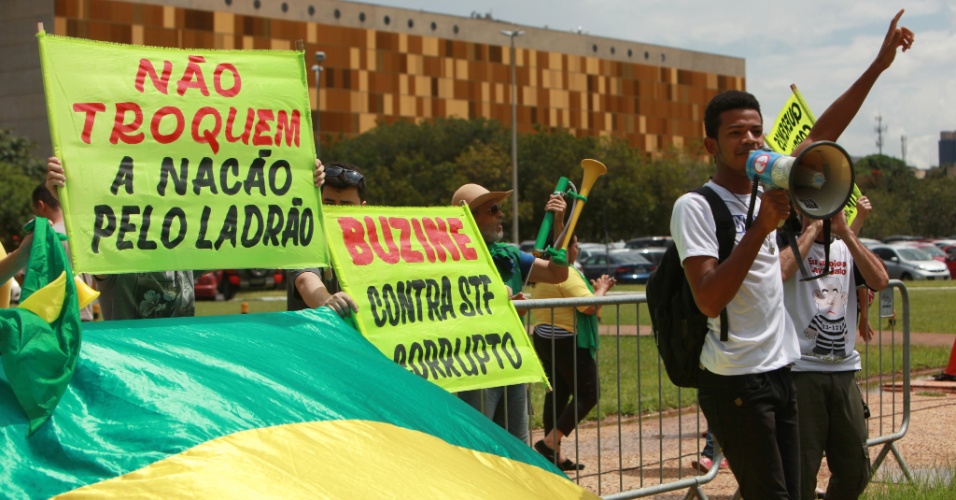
<point>664,448</point>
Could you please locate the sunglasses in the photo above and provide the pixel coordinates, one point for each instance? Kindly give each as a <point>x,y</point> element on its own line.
<point>347,175</point>
<point>492,210</point>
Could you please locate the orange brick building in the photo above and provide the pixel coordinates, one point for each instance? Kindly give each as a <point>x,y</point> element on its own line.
<point>388,64</point>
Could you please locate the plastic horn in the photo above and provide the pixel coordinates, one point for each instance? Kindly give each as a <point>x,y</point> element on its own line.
<point>85,294</point>
<point>592,170</point>
<point>540,243</point>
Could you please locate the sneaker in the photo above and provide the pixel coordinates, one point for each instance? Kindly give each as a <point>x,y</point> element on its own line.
<point>944,377</point>
<point>705,463</point>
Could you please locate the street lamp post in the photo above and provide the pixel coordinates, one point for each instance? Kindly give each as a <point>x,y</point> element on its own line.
<point>317,69</point>
<point>514,137</point>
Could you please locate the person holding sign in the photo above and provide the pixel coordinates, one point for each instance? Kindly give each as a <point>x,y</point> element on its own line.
<point>164,294</point>
<point>44,204</point>
<point>508,406</point>
<point>824,312</point>
<point>746,388</point>
<point>566,342</point>
<point>315,287</point>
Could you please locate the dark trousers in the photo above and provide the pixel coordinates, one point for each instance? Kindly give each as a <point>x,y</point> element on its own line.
<point>754,418</point>
<point>560,364</point>
<point>831,420</point>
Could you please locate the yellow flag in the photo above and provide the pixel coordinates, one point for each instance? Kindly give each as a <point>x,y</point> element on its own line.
<point>792,126</point>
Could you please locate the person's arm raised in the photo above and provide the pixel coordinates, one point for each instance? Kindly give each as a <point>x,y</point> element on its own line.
<point>831,124</point>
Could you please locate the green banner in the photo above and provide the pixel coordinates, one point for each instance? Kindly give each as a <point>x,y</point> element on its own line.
<point>196,159</point>
<point>429,295</point>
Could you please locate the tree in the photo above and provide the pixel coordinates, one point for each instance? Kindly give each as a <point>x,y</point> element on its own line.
<point>21,173</point>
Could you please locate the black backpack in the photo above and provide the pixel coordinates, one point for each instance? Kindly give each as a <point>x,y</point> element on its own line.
<point>679,326</point>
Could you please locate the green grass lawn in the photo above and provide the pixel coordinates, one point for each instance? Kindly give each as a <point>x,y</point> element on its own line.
<point>931,307</point>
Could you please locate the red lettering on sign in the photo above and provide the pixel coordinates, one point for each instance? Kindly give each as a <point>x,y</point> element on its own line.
<point>161,83</point>
<point>263,127</point>
<point>90,108</point>
<point>353,234</point>
<point>392,256</point>
<point>158,117</point>
<point>126,132</point>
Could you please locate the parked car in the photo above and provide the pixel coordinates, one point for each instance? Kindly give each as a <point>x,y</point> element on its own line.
<point>901,237</point>
<point>233,280</point>
<point>207,286</point>
<point>951,263</point>
<point>934,251</point>
<point>870,242</point>
<point>627,267</point>
<point>908,263</point>
<point>653,254</point>
<point>648,241</point>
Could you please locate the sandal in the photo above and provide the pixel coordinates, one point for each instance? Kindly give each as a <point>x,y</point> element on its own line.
<point>545,451</point>
<point>567,464</point>
<point>548,453</point>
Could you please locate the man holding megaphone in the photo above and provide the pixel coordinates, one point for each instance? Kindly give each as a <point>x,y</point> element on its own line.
<point>746,390</point>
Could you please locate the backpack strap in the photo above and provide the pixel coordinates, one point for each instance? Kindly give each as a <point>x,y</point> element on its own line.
<point>726,239</point>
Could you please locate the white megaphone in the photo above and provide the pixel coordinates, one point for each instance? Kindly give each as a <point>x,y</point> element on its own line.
<point>819,179</point>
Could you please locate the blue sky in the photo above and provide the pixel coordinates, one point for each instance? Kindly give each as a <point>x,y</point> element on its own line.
<point>821,46</point>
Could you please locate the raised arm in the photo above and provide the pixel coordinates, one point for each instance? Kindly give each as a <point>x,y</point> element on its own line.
<point>831,124</point>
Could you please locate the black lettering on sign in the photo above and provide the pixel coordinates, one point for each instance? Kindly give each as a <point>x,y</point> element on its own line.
<point>440,358</point>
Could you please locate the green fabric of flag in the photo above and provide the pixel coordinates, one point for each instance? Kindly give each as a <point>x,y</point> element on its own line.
<point>39,354</point>
<point>150,391</point>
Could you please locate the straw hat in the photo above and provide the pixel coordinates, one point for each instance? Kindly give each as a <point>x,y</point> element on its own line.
<point>475,196</point>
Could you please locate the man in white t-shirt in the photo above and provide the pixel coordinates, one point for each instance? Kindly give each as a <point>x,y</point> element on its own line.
<point>746,389</point>
<point>824,313</point>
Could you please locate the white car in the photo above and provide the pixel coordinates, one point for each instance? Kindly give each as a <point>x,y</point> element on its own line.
<point>909,263</point>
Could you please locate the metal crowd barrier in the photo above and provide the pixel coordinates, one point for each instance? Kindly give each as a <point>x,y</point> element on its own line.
<point>632,447</point>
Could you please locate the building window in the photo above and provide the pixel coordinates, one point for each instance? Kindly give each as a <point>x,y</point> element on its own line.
<point>337,14</point>
<point>646,55</point>
<point>362,17</point>
<point>285,7</point>
<point>455,29</point>
<point>388,20</point>
<point>228,2</point>
<point>630,52</point>
<point>256,4</point>
<point>311,10</point>
<point>594,48</point>
<point>411,23</point>
<point>612,51</point>
<point>434,26</point>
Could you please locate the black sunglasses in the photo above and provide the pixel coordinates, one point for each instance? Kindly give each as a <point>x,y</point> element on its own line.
<point>347,175</point>
<point>493,210</point>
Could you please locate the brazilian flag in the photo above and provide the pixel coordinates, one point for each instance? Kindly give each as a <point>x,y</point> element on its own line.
<point>279,405</point>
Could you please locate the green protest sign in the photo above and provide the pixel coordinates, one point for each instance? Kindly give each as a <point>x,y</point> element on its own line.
<point>183,159</point>
<point>429,295</point>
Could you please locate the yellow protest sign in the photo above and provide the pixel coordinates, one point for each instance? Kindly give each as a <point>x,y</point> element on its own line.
<point>183,159</point>
<point>791,127</point>
<point>429,296</point>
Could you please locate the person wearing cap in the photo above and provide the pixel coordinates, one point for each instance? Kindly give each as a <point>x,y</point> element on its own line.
<point>316,287</point>
<point>508,406</point>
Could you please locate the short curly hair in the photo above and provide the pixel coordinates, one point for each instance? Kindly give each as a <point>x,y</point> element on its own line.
<point>725,101</point>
